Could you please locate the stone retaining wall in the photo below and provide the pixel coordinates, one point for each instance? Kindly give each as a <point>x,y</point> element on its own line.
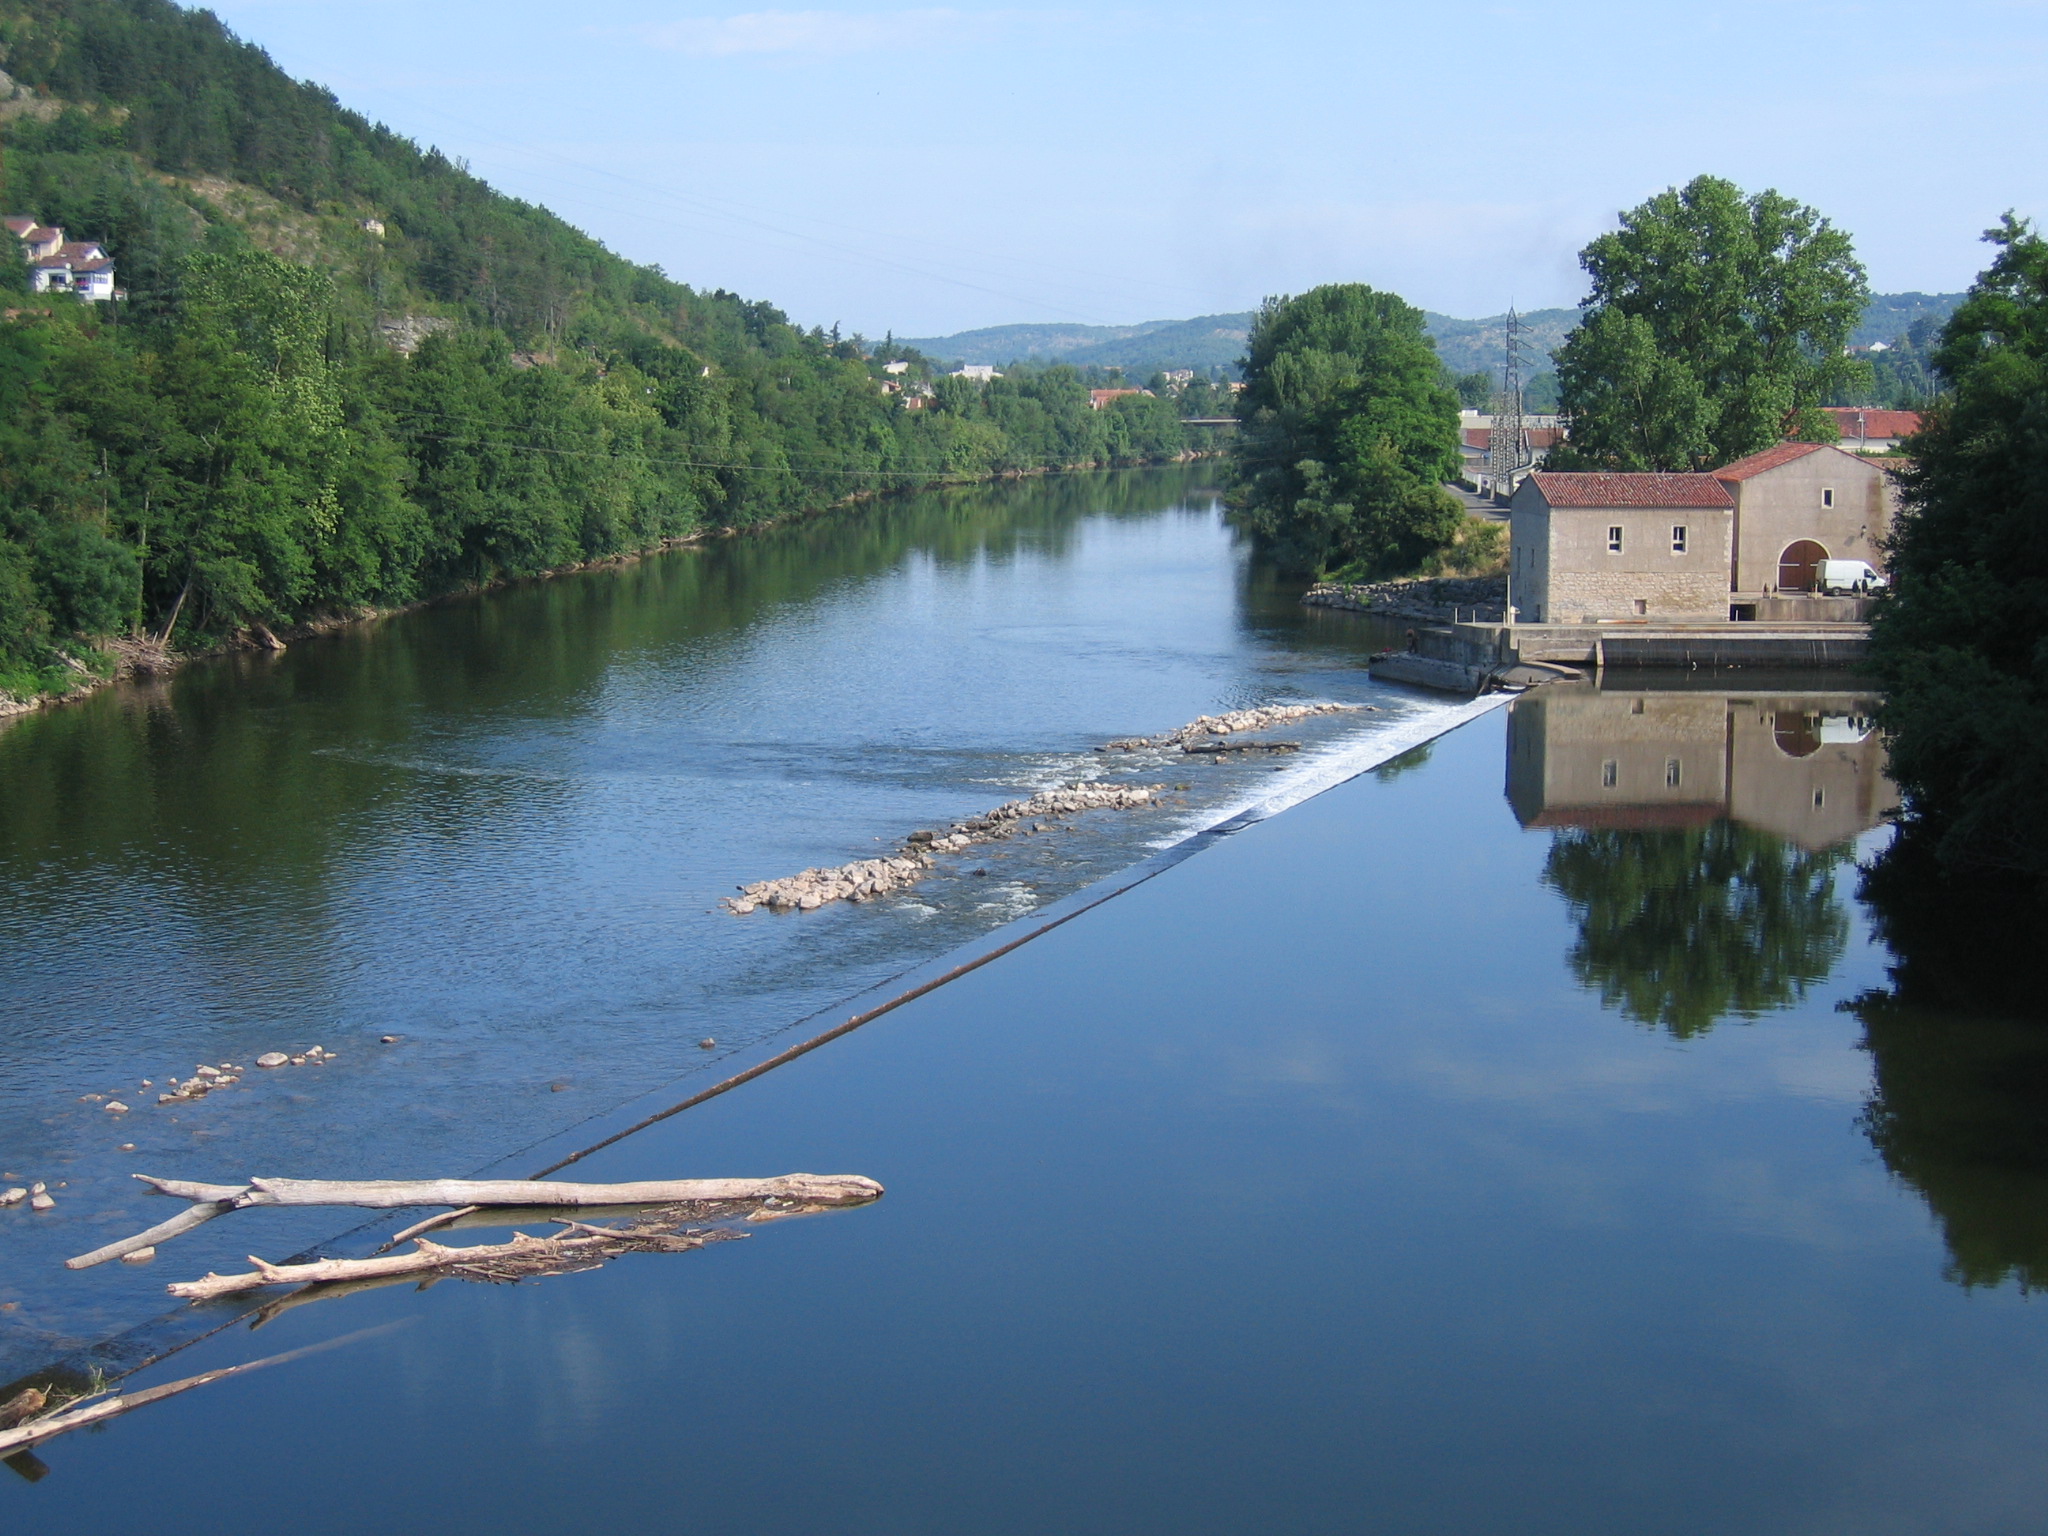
<point>1480,599</point>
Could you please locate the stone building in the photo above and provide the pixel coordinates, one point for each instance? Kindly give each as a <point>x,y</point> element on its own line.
<point>1586,547</point>
<point>1798,504</point>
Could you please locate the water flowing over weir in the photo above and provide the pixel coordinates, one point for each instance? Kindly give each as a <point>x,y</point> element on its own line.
<point>475,855</point>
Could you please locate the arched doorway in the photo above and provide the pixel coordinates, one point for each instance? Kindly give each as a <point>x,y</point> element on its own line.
<point>1799,566</point>
<point>1796,733</point>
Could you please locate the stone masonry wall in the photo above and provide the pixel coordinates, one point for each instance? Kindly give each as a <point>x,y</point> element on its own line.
<point>1575,595</point>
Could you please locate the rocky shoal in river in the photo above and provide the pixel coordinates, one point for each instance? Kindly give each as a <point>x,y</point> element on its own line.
<point>1234,723</point>
<point>1476,599</point>
<point>865,879</point>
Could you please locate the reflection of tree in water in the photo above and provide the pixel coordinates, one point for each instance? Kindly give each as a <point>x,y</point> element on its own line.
<point>1407,762</point>
<point>1680,929</point>
<point>1959,1055</point>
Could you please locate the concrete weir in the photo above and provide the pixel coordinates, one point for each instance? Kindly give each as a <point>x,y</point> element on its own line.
<point>1702,644</point>
<point>1466,657</point>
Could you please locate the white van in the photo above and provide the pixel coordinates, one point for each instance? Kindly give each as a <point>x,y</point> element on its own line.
<point>1835,577</point>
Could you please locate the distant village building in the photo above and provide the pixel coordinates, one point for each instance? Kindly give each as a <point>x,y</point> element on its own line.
<point>1103,399</point>
<point>1870,431</point>
<point>979,373</point>
<point>1178,379</point>
<point>1540,434</point>
<point>58,265</point>
<point>1585,547</point>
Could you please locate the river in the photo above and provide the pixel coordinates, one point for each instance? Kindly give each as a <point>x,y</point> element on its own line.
<point>498,830</point>
<point>1518,1135</point>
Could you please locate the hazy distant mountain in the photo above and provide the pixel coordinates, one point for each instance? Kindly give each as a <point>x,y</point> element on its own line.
<point>1890,313</point>
<point>1478,346</point>
<point>1210,341</point>
<point>1217,341</point>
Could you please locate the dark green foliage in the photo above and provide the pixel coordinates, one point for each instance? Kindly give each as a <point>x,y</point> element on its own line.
<point>1350,431</point>
<point>1679,930</point>
<point>1475,390</point>
<point>1962,642</point>
<point>1714,329</point>
<point>236,444</point>
<point>1959,1057</point>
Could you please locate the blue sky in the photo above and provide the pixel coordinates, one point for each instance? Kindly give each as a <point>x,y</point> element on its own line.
<point>931,168</point>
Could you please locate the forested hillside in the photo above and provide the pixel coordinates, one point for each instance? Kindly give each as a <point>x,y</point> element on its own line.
<point>239,441</point>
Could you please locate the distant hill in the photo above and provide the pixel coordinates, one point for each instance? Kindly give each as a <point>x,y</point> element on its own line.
<point>1890,314</point>
<point>1217,341</point>
<point>1209,341</point>
<point>1476,346</point>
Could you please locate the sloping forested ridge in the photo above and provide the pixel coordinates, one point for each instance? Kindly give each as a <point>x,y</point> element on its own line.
<point>238,442</point>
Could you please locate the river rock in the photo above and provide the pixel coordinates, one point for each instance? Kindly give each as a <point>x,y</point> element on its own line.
<point>13,1196</point>
<point>272,1059</point>
<point>42,1202</point>
<point>1230,724</point>
<point>868,879</point>
<point>116,1107</point>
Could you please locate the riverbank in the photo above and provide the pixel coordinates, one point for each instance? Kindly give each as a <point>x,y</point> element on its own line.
<point>131,656</point>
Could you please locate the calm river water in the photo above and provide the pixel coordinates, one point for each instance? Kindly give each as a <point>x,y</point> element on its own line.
<point>1522,1136</point>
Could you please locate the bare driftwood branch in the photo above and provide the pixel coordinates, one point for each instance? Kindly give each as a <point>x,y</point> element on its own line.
<point>196,1215</point>
<point>211,1200</point>
<point>98,1412</point>
<point>524,1256</point>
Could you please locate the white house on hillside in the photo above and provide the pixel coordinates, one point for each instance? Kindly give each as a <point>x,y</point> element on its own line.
<point>57,265</point>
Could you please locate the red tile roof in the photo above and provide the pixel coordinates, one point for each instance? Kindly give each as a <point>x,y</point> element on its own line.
<point>1770,458</point>
<point>1645,490</point>
<point>1857,423</point>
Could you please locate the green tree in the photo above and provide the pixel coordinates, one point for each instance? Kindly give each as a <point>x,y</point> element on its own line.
<point>1715,328</point>
<point>1962,641</point>
<point>1349,432</point>
<point>1679,930</point>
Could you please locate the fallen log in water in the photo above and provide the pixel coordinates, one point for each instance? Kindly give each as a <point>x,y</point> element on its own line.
<point>522,1258</point>
<point>71,1416</point>
<point>211,1200</point>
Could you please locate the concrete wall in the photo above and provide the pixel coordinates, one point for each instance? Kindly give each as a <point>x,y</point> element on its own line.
<point>1783,505</point>
<point>1581,579</point>
<point>1529,555</point>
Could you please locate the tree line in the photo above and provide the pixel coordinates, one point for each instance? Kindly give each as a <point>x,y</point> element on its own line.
<point>237,444</point>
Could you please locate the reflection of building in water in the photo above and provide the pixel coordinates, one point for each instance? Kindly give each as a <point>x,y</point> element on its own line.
<point>1806,767</point>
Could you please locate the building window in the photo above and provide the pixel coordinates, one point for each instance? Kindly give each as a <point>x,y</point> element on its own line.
<point>1827,496</point>
<point>1610,774</point>
<point>1673,774</point>
<point>1678,539</point>
<point>1614,541</point>
<point>1642,606</point>
<point>1820,799</point>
